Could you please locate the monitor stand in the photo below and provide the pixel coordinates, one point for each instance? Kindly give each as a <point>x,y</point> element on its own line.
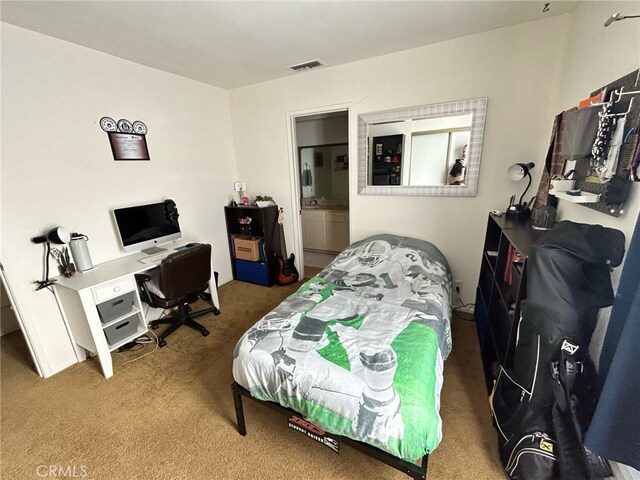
<point>153,250</point>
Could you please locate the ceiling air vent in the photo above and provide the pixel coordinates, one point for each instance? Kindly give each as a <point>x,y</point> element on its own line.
<point>300,67</point>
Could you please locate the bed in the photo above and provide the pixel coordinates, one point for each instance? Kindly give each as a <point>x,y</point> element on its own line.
<point>356,354</point>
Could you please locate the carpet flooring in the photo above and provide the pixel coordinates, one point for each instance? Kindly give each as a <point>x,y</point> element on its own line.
<point>170,415</point>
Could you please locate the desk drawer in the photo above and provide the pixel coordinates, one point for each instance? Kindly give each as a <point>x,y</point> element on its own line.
<point>121,330</point>
<point>115,307</point>
<point>113,289</point>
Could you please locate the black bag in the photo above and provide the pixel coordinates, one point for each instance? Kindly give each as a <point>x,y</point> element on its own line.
<point>575,402</point>
<point>568,281</point>
<point>521,407</point>
<point>533,458</point>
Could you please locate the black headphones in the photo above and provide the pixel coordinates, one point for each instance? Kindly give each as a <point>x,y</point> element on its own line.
<point>171,211</point>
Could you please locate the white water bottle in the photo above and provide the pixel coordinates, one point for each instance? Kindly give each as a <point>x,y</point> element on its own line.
<point>80,251</point>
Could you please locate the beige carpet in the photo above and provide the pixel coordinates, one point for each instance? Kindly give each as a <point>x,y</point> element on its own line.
<point>170,415</point>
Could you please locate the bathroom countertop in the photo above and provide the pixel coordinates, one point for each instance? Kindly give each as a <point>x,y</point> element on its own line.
<point>313,203</point>
<point>325,207</point>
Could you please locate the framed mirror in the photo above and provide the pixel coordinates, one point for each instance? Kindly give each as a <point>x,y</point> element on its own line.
<point>429,150</point>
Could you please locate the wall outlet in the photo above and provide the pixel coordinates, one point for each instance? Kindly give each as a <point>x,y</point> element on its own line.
<point>457,285</point>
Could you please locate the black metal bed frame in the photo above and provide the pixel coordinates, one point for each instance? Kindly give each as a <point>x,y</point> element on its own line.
<point>417,472</point>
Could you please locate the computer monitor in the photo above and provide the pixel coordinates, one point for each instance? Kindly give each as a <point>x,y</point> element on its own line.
<point>144,226</point>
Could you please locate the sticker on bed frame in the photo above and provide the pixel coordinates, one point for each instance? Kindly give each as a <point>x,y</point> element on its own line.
<point>314,432</point>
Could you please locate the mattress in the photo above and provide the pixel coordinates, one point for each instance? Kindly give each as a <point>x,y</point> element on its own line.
<point>359,349</point>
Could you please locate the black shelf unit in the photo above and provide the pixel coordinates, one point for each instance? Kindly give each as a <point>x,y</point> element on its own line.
<point>387,165</point>
<point>264,225</point>
<point>498,302</point>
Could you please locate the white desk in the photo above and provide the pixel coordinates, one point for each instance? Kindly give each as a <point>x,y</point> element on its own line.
<point>79,296</point>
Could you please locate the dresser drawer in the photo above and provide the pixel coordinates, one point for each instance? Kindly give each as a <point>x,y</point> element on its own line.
<point>113,289</point>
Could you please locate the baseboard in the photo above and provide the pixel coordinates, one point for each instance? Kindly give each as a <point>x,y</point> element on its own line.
<point>59,368</point>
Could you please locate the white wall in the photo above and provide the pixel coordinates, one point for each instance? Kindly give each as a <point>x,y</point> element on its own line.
<point>57,167</point>
<point>322,131</point>
<point>612,52</point>
<point>515,67</point>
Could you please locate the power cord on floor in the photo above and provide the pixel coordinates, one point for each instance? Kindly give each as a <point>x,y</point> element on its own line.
<point>138,343</point>
<point>144,339</point>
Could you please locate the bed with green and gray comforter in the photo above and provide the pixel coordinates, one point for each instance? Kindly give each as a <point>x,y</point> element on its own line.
<point>358,350</point>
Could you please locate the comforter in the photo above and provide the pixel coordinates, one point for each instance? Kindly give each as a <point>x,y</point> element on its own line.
<point>359,349</point>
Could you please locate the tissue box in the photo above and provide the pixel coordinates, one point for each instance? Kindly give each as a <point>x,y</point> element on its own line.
<point>560,186</point>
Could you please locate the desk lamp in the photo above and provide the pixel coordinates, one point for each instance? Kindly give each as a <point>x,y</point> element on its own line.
<point>616,17</point>
<point>517,172</point>
<point>58,235</point>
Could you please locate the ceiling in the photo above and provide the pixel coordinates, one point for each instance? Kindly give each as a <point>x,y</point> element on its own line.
<point>232,44</point>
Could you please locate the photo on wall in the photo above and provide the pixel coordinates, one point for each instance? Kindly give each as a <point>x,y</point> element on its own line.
<point>128,146</point>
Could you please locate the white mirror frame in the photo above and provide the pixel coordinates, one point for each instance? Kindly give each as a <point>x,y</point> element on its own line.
<point>476,106</point>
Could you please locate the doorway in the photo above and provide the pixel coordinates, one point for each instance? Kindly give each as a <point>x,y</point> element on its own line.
<point>16,349</point>
<point>321,158</point>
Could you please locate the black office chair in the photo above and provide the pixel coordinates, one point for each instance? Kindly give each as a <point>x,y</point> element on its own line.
<point>181,279</point>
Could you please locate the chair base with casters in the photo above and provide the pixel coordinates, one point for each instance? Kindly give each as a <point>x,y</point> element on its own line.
<point>182,317</point>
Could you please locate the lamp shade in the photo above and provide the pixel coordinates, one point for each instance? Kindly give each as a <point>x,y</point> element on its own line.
<point>58,235</point>
<point>518,171</point>
<point>613,18</point>
<point>616,17</point>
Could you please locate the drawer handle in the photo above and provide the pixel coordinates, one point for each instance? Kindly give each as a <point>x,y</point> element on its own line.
<point>122,325</point>
<point>116,289</point>
<point>117,302</point>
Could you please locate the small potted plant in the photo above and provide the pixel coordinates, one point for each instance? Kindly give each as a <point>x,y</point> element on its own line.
<point>65,265</point>
<point>264,201</point>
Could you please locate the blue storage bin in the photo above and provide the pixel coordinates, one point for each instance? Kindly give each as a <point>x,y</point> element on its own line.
<point>254,272</point>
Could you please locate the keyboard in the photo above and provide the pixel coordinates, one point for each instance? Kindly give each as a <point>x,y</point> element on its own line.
<point>157,257</point>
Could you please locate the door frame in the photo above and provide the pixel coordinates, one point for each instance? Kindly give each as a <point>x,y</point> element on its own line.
<point>294,171</point>
<point>27,334</point>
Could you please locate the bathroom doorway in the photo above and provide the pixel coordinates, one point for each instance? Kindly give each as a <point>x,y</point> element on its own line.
<point>322,166</point>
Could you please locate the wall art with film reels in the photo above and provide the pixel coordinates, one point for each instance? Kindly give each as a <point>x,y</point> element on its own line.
<point>128,140</point>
